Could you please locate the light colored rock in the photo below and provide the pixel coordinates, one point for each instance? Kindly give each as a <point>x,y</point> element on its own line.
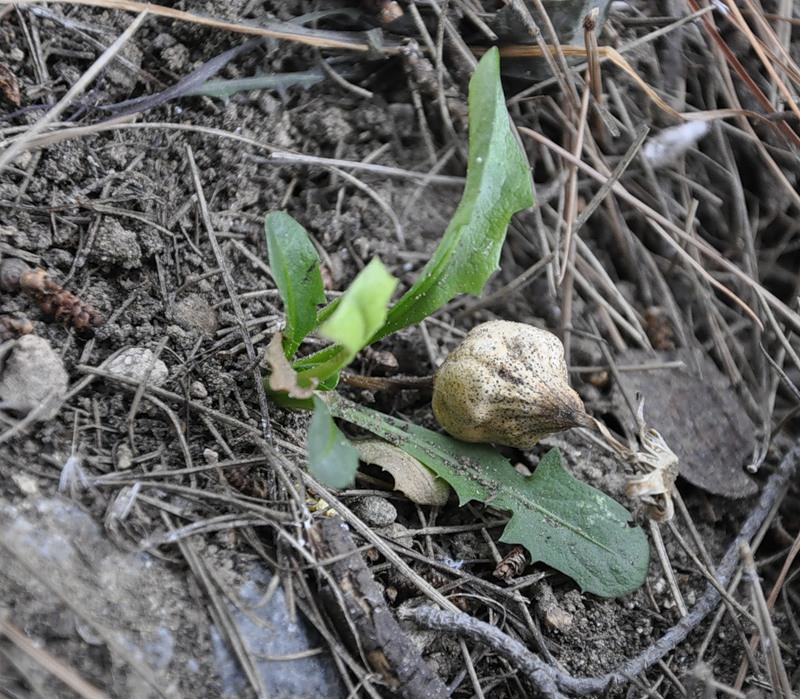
<point>32,376</point>
<point>198,390</point>
<point>134,364</point>
<point>194,314</point>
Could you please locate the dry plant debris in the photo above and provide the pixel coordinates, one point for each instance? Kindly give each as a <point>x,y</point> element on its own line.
<point>55,301</point>
<point>697,250</point>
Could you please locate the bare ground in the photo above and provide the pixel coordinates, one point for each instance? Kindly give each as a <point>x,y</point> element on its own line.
<point>159,535</point>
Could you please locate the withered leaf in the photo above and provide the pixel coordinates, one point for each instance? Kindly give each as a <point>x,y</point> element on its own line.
<point>411,477</point>
<point>699,416</point>
<point>283,379</point>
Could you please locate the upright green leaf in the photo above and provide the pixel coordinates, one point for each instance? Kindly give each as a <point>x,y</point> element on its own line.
<point>563,522</point>
<point>295,266</point>
<point>331,459</point>
<point>498,185</point>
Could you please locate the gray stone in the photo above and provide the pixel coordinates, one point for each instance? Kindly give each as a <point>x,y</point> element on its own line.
<point>32,376</point>
<point>375,511</point>
<point>134,364</point>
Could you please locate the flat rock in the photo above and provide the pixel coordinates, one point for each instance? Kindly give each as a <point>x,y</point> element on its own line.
<point>129,617</point>
<point>135,362</point>
<point>135,621</point>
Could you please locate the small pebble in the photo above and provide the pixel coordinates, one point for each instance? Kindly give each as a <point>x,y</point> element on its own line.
<point>26,483</point>
<point>134,364</point>
<point>123,457</point>
<point>198,390</point>
<point>375,511</point>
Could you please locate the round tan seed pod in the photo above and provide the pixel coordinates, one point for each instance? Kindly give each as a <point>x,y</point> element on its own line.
<point>506,383</point>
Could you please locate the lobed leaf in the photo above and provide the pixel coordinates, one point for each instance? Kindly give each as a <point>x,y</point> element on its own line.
<point>564,523</point>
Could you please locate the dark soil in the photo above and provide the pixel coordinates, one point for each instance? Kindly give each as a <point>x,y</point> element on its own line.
<point>154,509</point>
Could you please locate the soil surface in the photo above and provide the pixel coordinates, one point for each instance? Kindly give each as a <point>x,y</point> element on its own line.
<point>157,529</point>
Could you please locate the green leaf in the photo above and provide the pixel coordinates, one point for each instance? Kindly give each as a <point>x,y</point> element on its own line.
<point>498,185</point>
<point>359,313</point>
<point>581,531</point>
<point>362,309</point>
<point>331,459</point>
<point>564,523</point>
<point>295,266</point>
<point>316,358</point>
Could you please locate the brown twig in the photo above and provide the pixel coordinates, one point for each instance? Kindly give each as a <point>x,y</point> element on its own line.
<point>776,670</point>
<point>742,73</point>
<point>663,226</point>
<point>769,604</point>
<point>277,30</point>
<point>382,383</point>
<point>387,648</point>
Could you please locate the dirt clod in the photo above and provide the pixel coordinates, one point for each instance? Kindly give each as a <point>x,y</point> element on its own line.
<point>115,244</point>
<point>194,314</point>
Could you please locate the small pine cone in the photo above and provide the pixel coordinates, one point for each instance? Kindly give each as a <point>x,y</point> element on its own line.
<point>513,564</point>
<point>59,303</point>
<point>69,310</point>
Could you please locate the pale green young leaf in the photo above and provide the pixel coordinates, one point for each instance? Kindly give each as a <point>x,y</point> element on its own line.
<point>362,309</point>
<point>359,313</point>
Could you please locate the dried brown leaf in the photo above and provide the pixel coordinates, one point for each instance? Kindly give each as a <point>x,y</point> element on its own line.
<point>411,477</point>
<point>283,379</point>
<point>702,420</point>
